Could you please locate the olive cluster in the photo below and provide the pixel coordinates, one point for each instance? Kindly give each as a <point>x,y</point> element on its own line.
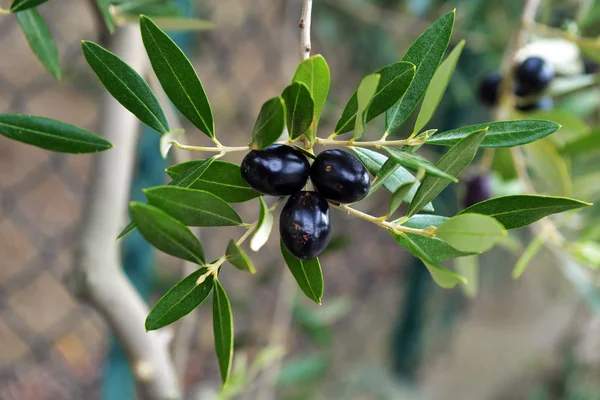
<point>281,170</point>
<point>531,77</point>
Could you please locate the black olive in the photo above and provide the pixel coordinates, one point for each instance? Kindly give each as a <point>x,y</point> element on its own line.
<point>542,104</point>
<point>534,75</point>
<point>304,225</point>
<point>339,176</point>
<point>278,170</point>
<point>489,89</point>
<point>478,190</point>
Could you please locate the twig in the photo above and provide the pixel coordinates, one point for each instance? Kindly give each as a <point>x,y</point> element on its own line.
<point>304,24</point>
<point>97,276</point>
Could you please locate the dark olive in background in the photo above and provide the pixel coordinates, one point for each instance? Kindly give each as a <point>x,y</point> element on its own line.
<point>304,225</point>
<point>339,176</point>
<point>534,75</point>
<point>478,189</point>
<point>278,170</point>
<point>489,89</point>
<point>544,103</point>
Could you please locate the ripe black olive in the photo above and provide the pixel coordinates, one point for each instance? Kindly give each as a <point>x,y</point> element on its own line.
<point>339,176</point>
<point>489,89</point>
<point>542,104</point>
<point>478,189</point>
<point>304,225</point>
<point>534,75</point>
<point>278,170</point>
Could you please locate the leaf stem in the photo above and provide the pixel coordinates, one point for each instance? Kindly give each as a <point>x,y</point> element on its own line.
<point>217,149</point>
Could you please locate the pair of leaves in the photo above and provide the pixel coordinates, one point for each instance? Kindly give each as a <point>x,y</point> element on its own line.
<point>307,273</point>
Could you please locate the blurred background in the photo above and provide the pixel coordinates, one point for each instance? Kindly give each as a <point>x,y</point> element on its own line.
<point>385,331</point>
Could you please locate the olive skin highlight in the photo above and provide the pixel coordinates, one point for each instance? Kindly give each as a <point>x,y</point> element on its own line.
<point>278,170</point>
<point>304,225</point>
<point>340,177</point>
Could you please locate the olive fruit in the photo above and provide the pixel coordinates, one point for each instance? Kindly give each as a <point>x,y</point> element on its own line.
<point>278,170</point>
<point>478,190</point>
<point>339,176</point>
<point>304,225</point>
<point>534,75</point>
<point>489,89</point>
<point>542,104</point>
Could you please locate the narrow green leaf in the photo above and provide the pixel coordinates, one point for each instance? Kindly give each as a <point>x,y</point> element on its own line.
<point>126,85</point>
<point>193,207</point>
<point>104,8</point>
<point>314,73</point>
<point>521,210</point>
<point>308,274</point>
<point>50,134</point>
<point>238,258</point>
<point>415,162</point>
<point>550,169</point>
<point>20,5</point>
<point>425,53</point>
<point>453,162</point>
<point>223,330</point>
<point>500,134</point>
<point>364,95</point>
<point>388,173</point>
<point>469,268</point>
<point>269,125</point>
<point>443,277</point>
<point>587,252</point>
<point>180,300</point>
<point>177,77</point>
<point>437,250</point>
<point>300,108</point>
<point>221,178</point>
<point>40,40</point>
<point>166,233</point>
<point>398,197</point>
<point>437,87</point>
<point>473,233</point>
<point>395,80</point>
<point>528,254</point>
<point>263,230</point>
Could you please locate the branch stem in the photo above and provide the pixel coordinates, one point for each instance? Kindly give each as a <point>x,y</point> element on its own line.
<point>304,24</point>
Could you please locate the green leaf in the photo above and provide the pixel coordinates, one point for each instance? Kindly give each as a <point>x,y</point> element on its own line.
<point>436,248</point>
<point>388,173</point>
<point>587,252</point>
<point>521,210</point>
<point>223,330</point>
<point>395,80</point>
<point>443,277</point>
<point>269,125</point>
<point>300,108</point>
<point>550,169</point>
<point>364,95</point>
<point>238,258</point>
<point>398,197</point>
<point>263,230</point>
<point>499,134</point>
<point>415,162</point>
<point>104,8</point>
<point>221,178</point>
<point>126,85</point>
<point>572,127</point>
<point>166,233</point>
<point>314,73</point>
<point>528,254</point>
<point>453,162</point>
<point>469,268</point>
<point>40,40</point>
<point>307,273</point>
<point>177,77</point>
<point>50,134</point>
<point>437,87</point>
<point>425,53</point>
<point>20,5</point>
<point>584,145</point>
<point>472,233</point>
<point>193,207</point>
<point>180,300</point>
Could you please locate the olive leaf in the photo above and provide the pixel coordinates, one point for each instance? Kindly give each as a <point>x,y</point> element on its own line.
<point>269,125</point>
<point>472,233</point>
<point>416,162</point>
<point>469,268</point>
<point>307,273</point>
<point>398,197</point>
<point>263,229</point>
<point>314,73</point>
<point>223,330</point>
<point>39,37</point>
<point>365,95</point>
<point>238,257</point>
<point>20,5</point>
<point>300,108</point>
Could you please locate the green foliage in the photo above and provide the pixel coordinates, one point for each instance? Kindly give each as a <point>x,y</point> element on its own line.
<point>20,5</point>
<point>50,134</point>
<point>177,77</point>
<point>416,162</point>
<point>300,108</point>
<point>269,124</point>
<point>364,95</point>
<point>223,330</point>
<point>471,233</point>
<point>263,226</point>
<point>39,37</point>
<point>398,197</point>
<point>181,300</point>
<point>308,274</point>
<point>314,73</point>
<point>238,257</point>
<point>126,86</point>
